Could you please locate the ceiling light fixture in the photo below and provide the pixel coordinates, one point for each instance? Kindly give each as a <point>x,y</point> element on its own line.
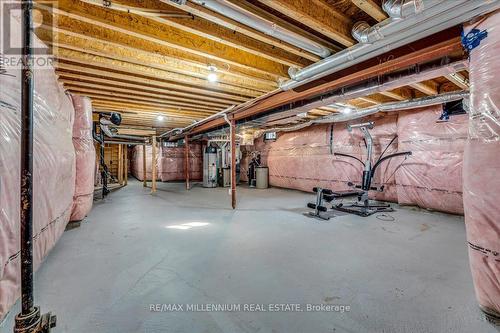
<point>160,117</point>
<point>212,76</point>
<point>346,110</point>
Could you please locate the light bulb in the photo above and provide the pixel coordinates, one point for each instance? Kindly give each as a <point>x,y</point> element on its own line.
<point>212,77</point>
<point>160,117</point>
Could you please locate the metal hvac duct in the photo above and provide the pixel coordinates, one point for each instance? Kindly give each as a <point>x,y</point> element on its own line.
<point>403,8</point>
<point>360,31</point>
<point>105,123</point>
<point>433,16</point>
<point>386,107</point>
<point>269,28</point>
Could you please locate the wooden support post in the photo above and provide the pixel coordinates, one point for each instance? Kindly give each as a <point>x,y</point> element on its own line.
<point>233,163</point>
<point>186,166</point>
<point>144,167</point>
<point>125,164</point>
<point>120,164</point>
<point>153,164</point>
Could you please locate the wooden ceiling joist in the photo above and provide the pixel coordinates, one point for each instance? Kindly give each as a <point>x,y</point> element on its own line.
<point>87,71</point>
<point>135,98</point>
<point>317,15</point>
<point>78,79</point>
<point>219,19</point>
<point>90,87</point>
<point>101,98</point>
<point>415,53</point>
<point>140,107</point>
<point>178,81</point>
<point>147,29</point>
<point>371,8</point>
<point>394,95</point>
<point>83,44</point>
<point>427,87</point>
<point>459,80</point>
<point>221,34</point>
<point>177,60</point>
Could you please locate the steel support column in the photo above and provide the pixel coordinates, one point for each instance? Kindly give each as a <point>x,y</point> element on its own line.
<point>233,162</point>
<point>144,167</point>
<point>186,166</point>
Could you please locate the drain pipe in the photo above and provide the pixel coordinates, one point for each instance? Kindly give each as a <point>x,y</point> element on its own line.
<point>406,25</point>
<point>236,13</point>
<point>29,319</point>
<point>386,107</point>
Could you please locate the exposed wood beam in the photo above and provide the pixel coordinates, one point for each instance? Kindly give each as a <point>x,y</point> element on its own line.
<point>427,87</point>
<point>96,98</point>
<point>167,103</point>
<point>91,87</point>
<point>176,60</point>
<point>86,71</point>
<point>317,15</point>
<point>128,106</point>
<point>263,13</point>
<point>65,41</point>
<point>147,29</point>
<point>393,95</point>
<point>177,81</point>
<point>209,15</point>
<point>459,80</point>
<point>131,131</point>
<point>81,79</point>
<point>371,8</point>
<point>215,32</point>
<point>369,100</point>
<point>430,48</point>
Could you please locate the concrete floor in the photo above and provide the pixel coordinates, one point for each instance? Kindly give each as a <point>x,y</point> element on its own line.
<point>406,275</point>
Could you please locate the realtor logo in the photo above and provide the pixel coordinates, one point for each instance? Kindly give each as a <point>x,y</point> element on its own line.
<point>11,33</point>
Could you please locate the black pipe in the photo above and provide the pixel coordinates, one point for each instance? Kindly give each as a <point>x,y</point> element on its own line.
<point>26,215</point>
<point>29,320</point>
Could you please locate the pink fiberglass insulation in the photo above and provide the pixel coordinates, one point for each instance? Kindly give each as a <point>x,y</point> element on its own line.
<point>432,176</point>
<point>304,159</point>
<point>173,160</point>
<point>54,170</point>
<point>136,164</point>
<point>481,166</point>
<point>85,158</point>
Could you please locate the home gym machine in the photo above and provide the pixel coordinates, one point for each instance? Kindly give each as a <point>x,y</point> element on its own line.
<point>364,206</point>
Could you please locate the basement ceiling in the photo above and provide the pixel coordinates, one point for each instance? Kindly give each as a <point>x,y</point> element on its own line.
<point>151,59</point>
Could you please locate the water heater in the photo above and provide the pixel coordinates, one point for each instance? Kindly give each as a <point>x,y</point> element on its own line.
<point>210,167</point>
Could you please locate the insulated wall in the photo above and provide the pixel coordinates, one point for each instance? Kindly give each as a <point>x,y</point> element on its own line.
<point>54,170</point>
<point>173,161</point>
<point>432,176</point>
<point>305,159</point>
<point>482,166</point>
<point>85,158</point>
<point>136,163</point>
